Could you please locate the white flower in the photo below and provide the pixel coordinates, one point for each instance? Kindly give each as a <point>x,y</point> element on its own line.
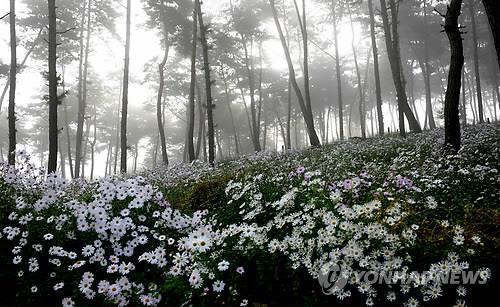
<point>223,265</point>
<point>218,286</point>
<point>68,302</point>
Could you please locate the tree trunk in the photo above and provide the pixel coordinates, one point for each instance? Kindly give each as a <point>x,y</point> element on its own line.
<point>452,100</point>
<point>136,156</point>
<point>23,63</point>
<point>360,83</point>
<point>393,52</point>
<point>228,103</point>
<point>161,70</point>
<point>208,86</point>
<point>81,86</point>
<point>191,111</point>
<point>68,141</point>
<point>53,101</point>
<point>123,134</point>
<point>93,144</point>
<point>308,117</point>
<point>427,74</point>
<point>201,121</point>
<point>463,112</point>
<point>472,14</point>
<point>378,90</point>
<point>12,92</point>
<point>305,46</point>
<point>492,8</point>
<point>338,71</point>
<point>117,130</point>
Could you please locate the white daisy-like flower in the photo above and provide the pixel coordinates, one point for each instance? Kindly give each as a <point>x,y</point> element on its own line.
<point>218,286</point>
<point>223,265</point>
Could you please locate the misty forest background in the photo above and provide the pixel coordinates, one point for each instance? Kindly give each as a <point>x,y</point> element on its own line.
<point>278,74</point>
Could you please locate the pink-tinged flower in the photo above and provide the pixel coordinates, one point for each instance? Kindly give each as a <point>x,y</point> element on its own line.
<point>300,170</point>
<point>347,184</point>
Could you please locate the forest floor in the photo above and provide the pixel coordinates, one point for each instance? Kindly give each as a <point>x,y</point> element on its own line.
<point>263,228</point>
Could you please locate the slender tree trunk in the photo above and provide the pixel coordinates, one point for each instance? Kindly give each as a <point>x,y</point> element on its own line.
<point>492,8</point>
<point>360,83</point>
<point>393,51</point>
<point>472,14</point>
<point>308,118</point>
<point>81,101</point>
<point>13,75</point>
<point>123,134</point>
<point>201,120</point>
<point>136,149</point>
<point>66,123</point>
<point>161,70</point>
<point>427,73</point>
<point>251,86</point>
<point>93,144</point>
<point>20,66</point>
<point>338,71</point>
<point>464,102</point>
<point>452,100</point>
<point>228,103</point>
<point>378,90</point>
<point>53,101</point>
<point>305,46</point>
<point>85,147</point>
<point>208,86</point>
<point>117,130</point>
<point>107,168</point>
<point>191,111</point>
<point>63,160</point>
<point>68,141</point>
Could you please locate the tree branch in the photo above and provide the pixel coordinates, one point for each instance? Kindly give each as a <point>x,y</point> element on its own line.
<point>7,14</point>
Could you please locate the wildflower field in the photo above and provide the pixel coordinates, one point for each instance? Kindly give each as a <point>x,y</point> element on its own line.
<point>261,229</point>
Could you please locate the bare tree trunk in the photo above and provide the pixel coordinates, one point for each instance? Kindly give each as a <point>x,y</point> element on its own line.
<point>305,46</point>
<point>338,71</point>
<point>63,160</point>
<point>93,144</point>
<point>208,86</point>
<point>464,102</point>
<point>452,100</point>
<point>123,134</point>
<point>201,121</point>
<point>427,73</point>
<point>68,141</point>
<point>228,103</point>
<point>251,86</point>
<point>20,66</point>
<point>492,8</point>
<point>81,87</point>
<point>308,117</point>
<point>191,111</point>
<point>13,76</point>
<point>472,13</point>
<point>136,149</point>
<point>393,51</point>
<point>161,70</point>
<point>378,90</point>
<point>53,101</point>
<point>117,131</point>
<point>360,83</point>
<point>85,147</point>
